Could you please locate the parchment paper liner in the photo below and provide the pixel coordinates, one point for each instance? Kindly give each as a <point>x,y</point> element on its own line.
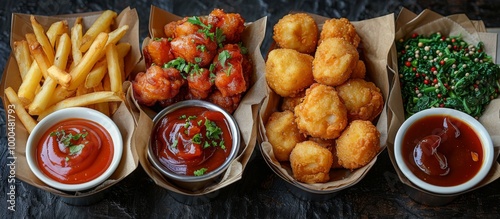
<point>123,118</point>
<point>473,32</point>
<point>245,114</point>
<point>376,39</point>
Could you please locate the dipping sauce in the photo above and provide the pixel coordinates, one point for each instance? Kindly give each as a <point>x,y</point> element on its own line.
<point>192,141</point>
<point>442,150</point>
<point>75,151</point>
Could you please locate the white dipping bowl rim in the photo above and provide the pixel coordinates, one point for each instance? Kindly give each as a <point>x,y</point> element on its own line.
<point>484,137</point>
<point>74,113</point>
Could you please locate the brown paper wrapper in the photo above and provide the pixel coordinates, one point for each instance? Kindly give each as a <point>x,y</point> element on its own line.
<point>122,117</point>
<point>472,32</point>
<point>245,114</point>
<point>377,36</point>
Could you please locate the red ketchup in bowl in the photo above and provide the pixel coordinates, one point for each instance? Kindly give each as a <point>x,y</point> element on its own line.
<point>192,140</point>
<point>442,150</point>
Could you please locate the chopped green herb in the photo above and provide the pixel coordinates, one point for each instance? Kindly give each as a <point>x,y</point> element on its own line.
<point>197,138</point>
<point>243,49</point>
<point>182,117</point>
<point>75,149</point>
<point>66,159</point>
<point>219,37</point>
<point>201,48</point>
<point>174,143</point>
<point>213,131</point>
<point>222,144</point>
<point>200,172</point>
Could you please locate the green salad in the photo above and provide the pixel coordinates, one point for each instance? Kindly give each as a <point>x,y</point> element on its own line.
<point>440,71</point>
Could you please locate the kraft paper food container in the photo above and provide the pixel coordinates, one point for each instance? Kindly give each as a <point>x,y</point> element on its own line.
<point>377,36</point>
<point>122,117</point>
<point>472,32</point>
<point>245,114</point>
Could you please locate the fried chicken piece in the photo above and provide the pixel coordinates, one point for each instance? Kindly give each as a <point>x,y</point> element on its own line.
<point>359,71</point>
<point>195,48</point>
<point>200,83</point>
<point>310,162</point>
<point>156,84</point>
<point>334,61</point>
<point>322,113</point>
<point>229,103</point>
<point>283,134</point>
<point>230,76</point>
<point>158,52</point>
<point>296,31</point>
<point>358,144</point>
<point>362,99</point>
<point>331,145</point>
<point>231,24</point>
<point>340,28</point>
<point>288,72</point>
<point>289,103</point>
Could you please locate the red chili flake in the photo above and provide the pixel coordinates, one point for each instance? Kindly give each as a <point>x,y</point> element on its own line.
<point>403,51</point>
<point>435,81</point>
<point>408,64</point>
<point>479,50</point>
<point>444,99</point>
<point>414,69</point>
<point>423,75</point>
<point>476,85</point>
<point>441,62</point>
<point>453,40</point>
<point>417,75</point>
<point>441,105</point>
<point>443,38</point>
<point>439,95</point>
<point>455,47</point>
<point>414,35</point>
<point>433,68</point>
<point>426,81</point>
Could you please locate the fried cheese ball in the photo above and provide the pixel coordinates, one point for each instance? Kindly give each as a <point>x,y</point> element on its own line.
<point>358,144</point>
<point>329,144</point>
<point>310,162</point>
<point>283,134</point>
<point>334,61</point>
<point>296,31</point>
<point>359,71</point>
<point>289,103</point>
<point>322,113</point>
<point>362,99</point>
<point>288,72</point>
<point>340,28</point>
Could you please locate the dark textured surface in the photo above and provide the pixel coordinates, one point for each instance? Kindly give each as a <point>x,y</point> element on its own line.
<point>260,194</point>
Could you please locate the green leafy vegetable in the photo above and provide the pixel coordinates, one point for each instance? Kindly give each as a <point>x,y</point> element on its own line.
<point>200,172</point>
<point>439,71</point>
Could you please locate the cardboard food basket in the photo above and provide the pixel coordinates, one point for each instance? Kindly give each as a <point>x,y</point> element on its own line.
<point>245,114</point>
<point>122,117</point>
<point>377,36</point>
<point>426,23</point>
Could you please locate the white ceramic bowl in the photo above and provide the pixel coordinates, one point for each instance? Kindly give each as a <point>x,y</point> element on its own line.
<point>482,133</point>
<point>74,112</point>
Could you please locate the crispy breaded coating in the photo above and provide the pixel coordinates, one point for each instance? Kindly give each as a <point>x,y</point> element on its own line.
<point>358,144</point>
<point>296,31</point>
<point>289,103</point>
<point>334,61</point>
<point>322,113</point>
<point>360,70</point>
<point>283,134</point>
<point>310,162</point>
<point>329,144</point>
<point>340,28</point>
<point>288,72</point>
<point>362,99</point>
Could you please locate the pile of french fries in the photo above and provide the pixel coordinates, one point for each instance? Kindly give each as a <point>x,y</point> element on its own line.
<point>62,67</point>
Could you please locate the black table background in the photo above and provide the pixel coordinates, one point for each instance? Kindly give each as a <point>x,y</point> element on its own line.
<point>260,193</point>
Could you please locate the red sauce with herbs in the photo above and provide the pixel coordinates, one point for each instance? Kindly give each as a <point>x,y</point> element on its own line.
<point>442,151</point>
<point>192,140</point>
<point>75,151</point>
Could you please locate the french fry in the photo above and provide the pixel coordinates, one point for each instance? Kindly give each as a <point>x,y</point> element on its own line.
<point>62,52</point>
<point>28,87</point>
<point>56,30</point>
<point>97,74</point>
<point>36,51</point>
<point>42,38</point>
<point>62,77</point>
<point>76,38</point>
<point>60,94</point>
<point>83,100</point>
<point>23,57</point>
<point>99,26</point>
<point>25,118</point>
<point>81,90</point>
<point>104,106</point>
<point>79,73</point>
<point>114,71</point>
